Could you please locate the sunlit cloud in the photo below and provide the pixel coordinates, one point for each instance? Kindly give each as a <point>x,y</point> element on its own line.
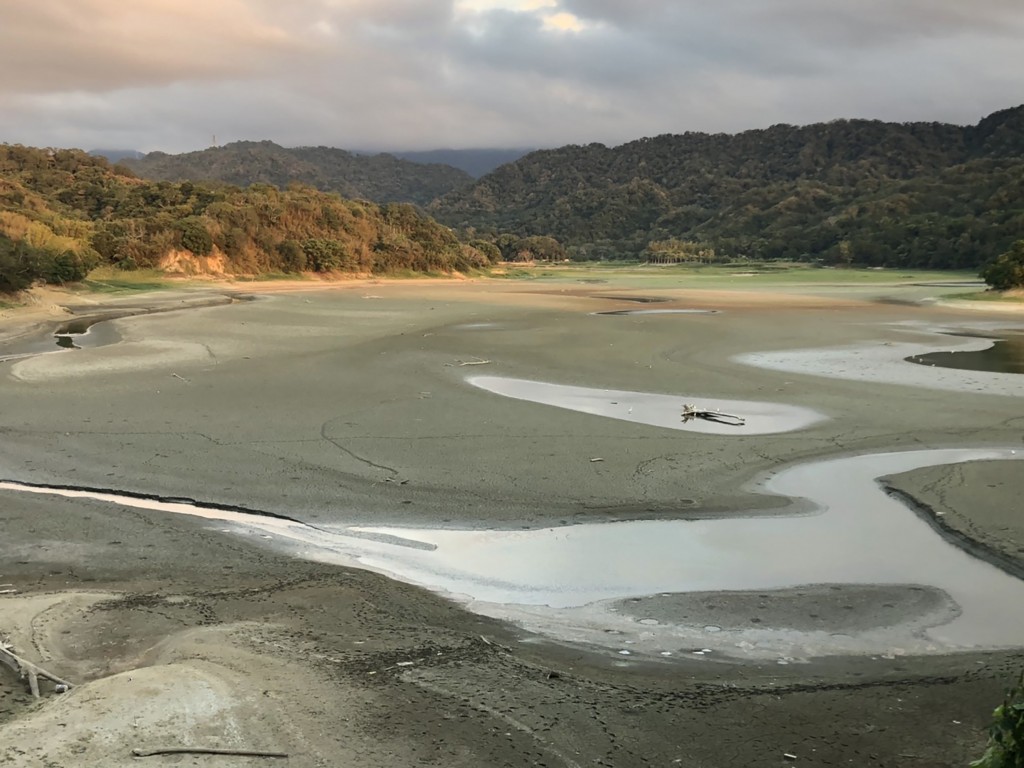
<point>564,22</point>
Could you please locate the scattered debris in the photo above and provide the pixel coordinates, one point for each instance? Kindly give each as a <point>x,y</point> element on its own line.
<point>27,670</point>
<point>789,755</point>
<point>493,644</point>
<point>596,458</point>
<point>478,361</point>
<point>205,751</point>
<point>693,412</point>
<point>182,378</point>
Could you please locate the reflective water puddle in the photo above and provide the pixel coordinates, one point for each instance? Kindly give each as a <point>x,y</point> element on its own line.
<point>569,582</point>
<point>655,409</point>
<point>85,332</point>
<point>1004,356</point>
<point>886,362</point>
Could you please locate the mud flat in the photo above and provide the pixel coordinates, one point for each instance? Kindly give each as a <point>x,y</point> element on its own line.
<point>350,407</point>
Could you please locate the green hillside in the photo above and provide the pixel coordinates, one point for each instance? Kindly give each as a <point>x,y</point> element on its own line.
<point>849,191</point>
<point>64,212</point>
<point>379,178</point>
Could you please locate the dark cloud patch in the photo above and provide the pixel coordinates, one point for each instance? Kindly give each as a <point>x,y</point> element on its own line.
<point>815,22</point>
<point>605,57</point>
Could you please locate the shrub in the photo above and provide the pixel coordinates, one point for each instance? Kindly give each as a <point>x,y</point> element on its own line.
<point>1006,734</point>
<point>195,237</point>
<point>1007,271</point>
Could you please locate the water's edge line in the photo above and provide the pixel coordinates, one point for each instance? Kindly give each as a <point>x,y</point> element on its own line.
<point>955,536</point>
<point>925,512</point>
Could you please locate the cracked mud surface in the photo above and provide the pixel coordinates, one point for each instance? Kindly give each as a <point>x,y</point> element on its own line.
<point>330,406</point>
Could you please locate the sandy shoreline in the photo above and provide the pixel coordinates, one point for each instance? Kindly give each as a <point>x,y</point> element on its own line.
<point>347,404</point>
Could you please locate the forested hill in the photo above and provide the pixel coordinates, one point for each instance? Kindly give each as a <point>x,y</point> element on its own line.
<point>380,178</point>
<point>868,192</point>
<point>64,212</point>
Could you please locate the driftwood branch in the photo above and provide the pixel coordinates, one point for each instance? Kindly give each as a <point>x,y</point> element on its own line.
<point>693,412</point>
<point>25,669</point>
<point>205,751</point>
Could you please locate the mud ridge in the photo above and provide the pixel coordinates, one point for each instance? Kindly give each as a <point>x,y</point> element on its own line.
<point>954,536</point>
<point>165,500</point>
<point>82,323</point>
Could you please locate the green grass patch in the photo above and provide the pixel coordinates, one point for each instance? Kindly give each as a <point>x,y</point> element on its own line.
<point>270,277</point>
<point>111,280</point>
<point>996,296</point>
<point>736,275</point>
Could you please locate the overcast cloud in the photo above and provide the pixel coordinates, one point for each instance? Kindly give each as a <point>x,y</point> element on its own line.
<point>420,74</point>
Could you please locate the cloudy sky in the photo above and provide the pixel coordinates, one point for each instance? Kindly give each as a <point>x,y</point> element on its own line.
<point>421,74</point>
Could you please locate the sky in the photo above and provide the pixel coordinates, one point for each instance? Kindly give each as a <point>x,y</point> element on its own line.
<point>178,75</point>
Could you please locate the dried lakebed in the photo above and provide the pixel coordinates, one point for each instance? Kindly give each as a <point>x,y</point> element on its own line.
<point>647,588</point>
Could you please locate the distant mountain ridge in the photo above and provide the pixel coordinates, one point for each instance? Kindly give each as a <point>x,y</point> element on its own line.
<point>864,191</point>
<point>117,155</point>
<point>475,162</point>
<point>849,191</point>
<point>378,178</point>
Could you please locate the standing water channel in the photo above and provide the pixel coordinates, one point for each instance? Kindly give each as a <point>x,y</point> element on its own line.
<point>563,582</point>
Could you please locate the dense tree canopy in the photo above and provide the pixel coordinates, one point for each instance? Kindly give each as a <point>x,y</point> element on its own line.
<point>64,212</point>
<point>850,191</point>
<point>1007,271</point>
<point>381,178</point>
